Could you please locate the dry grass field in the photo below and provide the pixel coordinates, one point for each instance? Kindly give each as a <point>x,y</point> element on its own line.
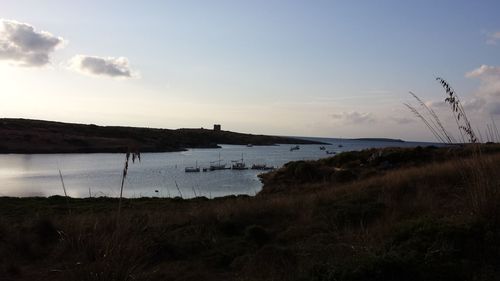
<point>433,218</point>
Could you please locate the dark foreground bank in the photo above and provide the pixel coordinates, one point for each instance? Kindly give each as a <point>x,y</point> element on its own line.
<point>433,218</point>
<point>36,136</point>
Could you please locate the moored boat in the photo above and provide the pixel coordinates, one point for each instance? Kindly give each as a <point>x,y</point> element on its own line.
<point>239,164</point>
<point>192,169</point>
<point>218,166</point>
<point>262,167</point>
<point>195,169</point>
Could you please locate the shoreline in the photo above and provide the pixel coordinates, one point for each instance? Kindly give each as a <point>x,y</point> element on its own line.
<point>314,221</point>
<point>25,136</point>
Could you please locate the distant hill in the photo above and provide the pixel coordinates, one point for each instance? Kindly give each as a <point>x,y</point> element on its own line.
<point>379,139</point>
<point>37,136</point>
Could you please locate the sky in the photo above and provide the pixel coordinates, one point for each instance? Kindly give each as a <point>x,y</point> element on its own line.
<point>301,68</point>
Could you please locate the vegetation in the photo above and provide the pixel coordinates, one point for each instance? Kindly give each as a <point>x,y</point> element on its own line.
<point>468,133</point>
<point>358,165</point>
<point>428,215</point>
<point>35,136</point>
<point>425,213</point>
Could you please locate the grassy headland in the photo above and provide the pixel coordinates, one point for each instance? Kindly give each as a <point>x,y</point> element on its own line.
<point>381,214</point>
<point>36,136</point>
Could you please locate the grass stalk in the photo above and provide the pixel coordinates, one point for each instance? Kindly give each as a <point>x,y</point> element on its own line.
<point>178,189</point>
<point>436,122</point>
<point>424,120</point>
<point>194,192</point>
<point>458,110</point>
<point>64,189</point>
<point>496,129</point>
<point>135,155</point>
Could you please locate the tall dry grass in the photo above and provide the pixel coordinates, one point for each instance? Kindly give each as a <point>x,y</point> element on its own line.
<point>135,155</point>
<point>475,173</point>
<point>64,190</point>
<point>282,236</point>
<point>482,186</point>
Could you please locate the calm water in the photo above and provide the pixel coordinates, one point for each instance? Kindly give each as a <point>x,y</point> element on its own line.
<point>100,174</point>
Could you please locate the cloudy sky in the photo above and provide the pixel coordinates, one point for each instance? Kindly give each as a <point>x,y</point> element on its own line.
<point>310,68</point>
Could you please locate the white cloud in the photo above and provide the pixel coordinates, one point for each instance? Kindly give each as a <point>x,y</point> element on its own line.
<point>487,97</point>
<point>485,72</point>
<point>102,66</point>
<point>493,38</point>
<point>354,117</point>
<point>474,104</point>
<point>437,104</point>
<point>22,44</point>
<point>402,120</point>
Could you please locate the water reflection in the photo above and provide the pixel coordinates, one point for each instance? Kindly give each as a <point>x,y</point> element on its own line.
<point>158,174</point>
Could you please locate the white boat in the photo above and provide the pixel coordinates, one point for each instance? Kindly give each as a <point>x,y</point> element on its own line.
<point>294,148</point>
<point>239,164</point>
<point>218,166</point>
<point>195,169</point>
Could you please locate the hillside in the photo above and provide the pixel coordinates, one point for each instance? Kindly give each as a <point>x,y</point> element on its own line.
<point>352,166</point>
<point>36,136</point>
<point>434,218</point>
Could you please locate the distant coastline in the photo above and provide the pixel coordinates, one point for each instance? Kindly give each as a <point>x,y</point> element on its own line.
<point>379,139</point>
<point>326,139</point>
<point>26,136</point>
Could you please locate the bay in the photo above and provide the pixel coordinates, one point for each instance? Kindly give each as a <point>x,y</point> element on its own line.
<point>159,174</point>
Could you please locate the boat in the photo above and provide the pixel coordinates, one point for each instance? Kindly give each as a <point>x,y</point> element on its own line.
<point>294,148</point>
<point>249,145</point>
<point>322,148</point>
<point>195,169</point>
<point>218,166</point>
<point>192,169</point>
<point>340,145</point>
<point>262,167</point>
<point>258,166</point>
<point>239,164</point>
<point>331,152</point>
